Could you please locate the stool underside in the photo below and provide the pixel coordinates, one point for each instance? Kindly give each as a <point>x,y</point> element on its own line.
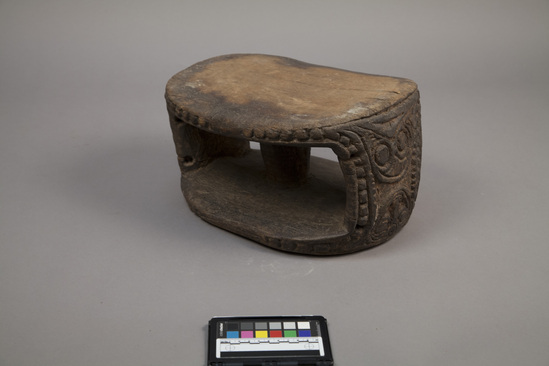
<point>236,194</point>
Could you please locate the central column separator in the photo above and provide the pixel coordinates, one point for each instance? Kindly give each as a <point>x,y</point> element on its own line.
<point>287,164</point>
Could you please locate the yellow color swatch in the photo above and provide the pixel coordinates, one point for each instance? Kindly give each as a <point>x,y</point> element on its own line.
<point>261,334</point>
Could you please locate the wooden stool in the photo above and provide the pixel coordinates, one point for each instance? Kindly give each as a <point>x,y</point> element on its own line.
<point>279,195</point>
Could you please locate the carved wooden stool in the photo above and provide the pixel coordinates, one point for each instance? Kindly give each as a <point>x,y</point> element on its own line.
<point>279,195</point>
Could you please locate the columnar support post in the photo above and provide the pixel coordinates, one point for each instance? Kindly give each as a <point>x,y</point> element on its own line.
<point>287,164</point>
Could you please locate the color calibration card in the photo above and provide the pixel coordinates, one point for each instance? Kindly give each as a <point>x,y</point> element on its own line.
<point>276,340</point>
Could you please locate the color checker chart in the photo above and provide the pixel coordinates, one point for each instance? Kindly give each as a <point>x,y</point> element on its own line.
<point>290,329</point>
<point>259,340</point>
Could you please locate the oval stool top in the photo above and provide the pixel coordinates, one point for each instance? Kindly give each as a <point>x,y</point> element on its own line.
<point>248,95</point>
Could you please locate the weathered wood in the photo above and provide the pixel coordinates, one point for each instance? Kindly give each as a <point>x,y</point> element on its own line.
<point>282,197</point>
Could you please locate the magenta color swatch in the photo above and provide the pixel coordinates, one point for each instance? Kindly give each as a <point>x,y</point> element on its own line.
<point>247,334</point>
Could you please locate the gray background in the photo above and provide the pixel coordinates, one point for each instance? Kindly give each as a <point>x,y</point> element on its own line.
<point>102,263</point>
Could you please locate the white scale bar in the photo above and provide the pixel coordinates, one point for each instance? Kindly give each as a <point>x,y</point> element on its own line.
<point>268,344</point>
